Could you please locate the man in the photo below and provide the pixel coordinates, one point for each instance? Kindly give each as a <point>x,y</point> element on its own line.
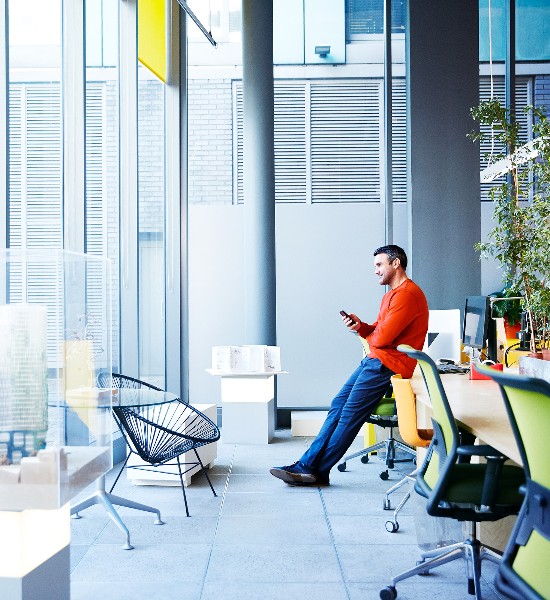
<point>402,319</point>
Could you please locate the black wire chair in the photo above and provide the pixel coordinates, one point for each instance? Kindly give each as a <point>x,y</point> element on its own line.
<point>160,433</point>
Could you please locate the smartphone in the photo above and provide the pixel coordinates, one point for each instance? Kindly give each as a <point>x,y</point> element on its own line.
<point>345,314</point>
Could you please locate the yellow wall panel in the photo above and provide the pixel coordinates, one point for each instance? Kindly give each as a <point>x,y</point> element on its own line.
<point>152,36</point>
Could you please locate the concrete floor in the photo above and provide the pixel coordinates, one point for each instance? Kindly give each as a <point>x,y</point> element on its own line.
<point>259,539</point>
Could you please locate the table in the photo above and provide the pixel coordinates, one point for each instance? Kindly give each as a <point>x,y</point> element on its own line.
<point>248,406</point>
<point>123,397</point>
<point>477,406</point>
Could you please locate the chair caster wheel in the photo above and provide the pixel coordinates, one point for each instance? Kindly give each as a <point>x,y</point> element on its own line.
<point>384,476</point>
<point>392,526</point>
<point>342,467</point>
<point>423,573</point>
<point>387,504</point>
<point>365,459</point>
<point>388,593</point>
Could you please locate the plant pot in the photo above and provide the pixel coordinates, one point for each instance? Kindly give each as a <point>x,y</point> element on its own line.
<point>511,330</point>
<point>545,353</point>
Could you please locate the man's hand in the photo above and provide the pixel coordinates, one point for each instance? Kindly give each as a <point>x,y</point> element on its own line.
<point>353,322</point>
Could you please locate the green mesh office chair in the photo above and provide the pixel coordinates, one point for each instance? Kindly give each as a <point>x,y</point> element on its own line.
<point>524,571</point>
<point>385,416</point>
<point>458,489</point>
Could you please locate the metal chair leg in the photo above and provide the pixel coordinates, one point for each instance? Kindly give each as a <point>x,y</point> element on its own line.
<point>183,486</point>
<point>205,472</point>
<point>119,474</point>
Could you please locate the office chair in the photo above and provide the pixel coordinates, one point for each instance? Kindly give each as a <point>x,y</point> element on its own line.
<point>523,572</point>
<point>385,416</point>
<point>160,433</point>
<point>405,401</point>
<point>458,489</point>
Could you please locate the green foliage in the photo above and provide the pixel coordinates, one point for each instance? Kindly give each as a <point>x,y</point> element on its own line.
<point>520,238</point>
<point>511,309</point>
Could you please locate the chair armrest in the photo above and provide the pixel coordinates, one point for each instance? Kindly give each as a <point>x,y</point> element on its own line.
<point>493,470</point>
<point>481,450</point>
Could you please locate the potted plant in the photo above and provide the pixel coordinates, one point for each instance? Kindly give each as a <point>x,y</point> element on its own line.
<point>520,238</point>
<point>509,307</point>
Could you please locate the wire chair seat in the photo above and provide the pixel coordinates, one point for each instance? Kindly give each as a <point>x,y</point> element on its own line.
<point>160,433</point>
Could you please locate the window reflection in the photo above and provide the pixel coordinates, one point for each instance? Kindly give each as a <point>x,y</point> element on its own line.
<point>102,144</point>
<point>151,253</point>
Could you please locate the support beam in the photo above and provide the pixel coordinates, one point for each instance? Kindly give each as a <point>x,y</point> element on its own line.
<point>259,173</point>
<point>443,165</point>
<point>388,147</point>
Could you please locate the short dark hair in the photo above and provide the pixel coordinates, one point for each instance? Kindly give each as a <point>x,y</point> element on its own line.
<point>393,252</point>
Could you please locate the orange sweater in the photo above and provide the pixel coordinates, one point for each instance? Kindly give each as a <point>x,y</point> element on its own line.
<point>403,319</point>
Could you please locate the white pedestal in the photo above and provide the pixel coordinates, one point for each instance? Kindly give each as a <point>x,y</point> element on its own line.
<point>35,554</point>
<point>207,454</point>
<point>248,407</point>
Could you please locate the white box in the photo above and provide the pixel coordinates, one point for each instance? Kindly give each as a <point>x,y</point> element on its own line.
<point>231,359</point>
<point>246,359</point>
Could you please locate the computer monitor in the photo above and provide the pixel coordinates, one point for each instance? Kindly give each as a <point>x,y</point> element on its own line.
<point>477,315</point>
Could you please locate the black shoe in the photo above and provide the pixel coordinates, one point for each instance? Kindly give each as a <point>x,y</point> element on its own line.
<point>293,474</point>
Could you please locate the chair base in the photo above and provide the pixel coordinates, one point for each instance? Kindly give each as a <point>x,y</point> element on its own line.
<point>392,525</point>
<point>470,550</point>
<point>109,501</point>
<point>390,444</point>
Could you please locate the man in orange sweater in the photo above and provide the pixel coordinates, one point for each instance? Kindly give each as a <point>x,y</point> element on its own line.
<point>402,319</point>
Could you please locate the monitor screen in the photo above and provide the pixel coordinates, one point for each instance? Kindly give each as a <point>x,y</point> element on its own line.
<point>476,321</point>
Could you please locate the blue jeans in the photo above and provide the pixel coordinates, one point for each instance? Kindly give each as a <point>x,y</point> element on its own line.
<point>348,411</point>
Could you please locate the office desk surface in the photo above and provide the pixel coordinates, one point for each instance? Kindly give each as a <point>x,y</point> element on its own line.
<point>477,406</point>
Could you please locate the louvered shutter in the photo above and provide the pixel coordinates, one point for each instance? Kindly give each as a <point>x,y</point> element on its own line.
<point>523,95</point>
<point>346,141</point>
<point>290,143</point>
<point>96,215</point>
<point>399,141</point>
<point>16,149</point>
<point>42,167</point>
<point>289,140</point>
<point>35,194</point>
<point>329,131</point>
<point>238,191</point>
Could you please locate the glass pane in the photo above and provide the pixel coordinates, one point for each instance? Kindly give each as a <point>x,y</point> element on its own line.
<point>151,251</point>
<point>102,199</point>
<point>35,126</point>
<point>532,30</point>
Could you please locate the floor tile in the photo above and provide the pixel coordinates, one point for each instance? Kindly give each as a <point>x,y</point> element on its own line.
<point>260,538</point>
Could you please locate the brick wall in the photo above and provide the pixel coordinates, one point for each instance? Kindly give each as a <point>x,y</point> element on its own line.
<point>210,141</point>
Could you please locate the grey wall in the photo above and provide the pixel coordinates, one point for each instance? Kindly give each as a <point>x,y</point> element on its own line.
<point>443,84</point>
<point>324,264</point>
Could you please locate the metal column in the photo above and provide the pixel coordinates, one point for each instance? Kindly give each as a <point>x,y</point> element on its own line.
<point>259,173</point>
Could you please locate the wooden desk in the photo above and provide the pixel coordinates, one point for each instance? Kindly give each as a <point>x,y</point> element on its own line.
<point>477,406</point>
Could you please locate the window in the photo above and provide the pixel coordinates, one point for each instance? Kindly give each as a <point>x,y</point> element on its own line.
<point>364,17</point>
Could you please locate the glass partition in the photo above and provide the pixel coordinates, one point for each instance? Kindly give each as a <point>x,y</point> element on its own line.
<point>151,227</point>
<point>55,327</point>
<point>35,125</point>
